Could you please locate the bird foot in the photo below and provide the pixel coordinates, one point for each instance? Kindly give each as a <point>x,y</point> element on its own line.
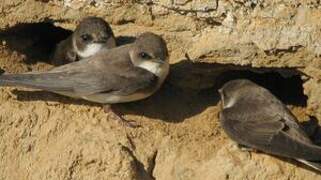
<point>119,117</point>
<point>126,122</point>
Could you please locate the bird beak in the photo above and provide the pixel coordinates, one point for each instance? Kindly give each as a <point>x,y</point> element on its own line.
<point>100,41</point>
<point>222,97</point>
<point>110,42</point>
<point>159,61</point>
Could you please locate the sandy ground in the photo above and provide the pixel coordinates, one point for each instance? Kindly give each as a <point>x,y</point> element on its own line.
<point>47,136</point>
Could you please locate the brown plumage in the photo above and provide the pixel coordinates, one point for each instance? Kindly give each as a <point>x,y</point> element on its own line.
<point>91,35</point>
<point>127,73</point>
<point>123,74</point>
<point>254,117</point>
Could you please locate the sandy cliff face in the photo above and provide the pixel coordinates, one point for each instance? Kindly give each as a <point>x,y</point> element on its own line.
<point>46,136</point>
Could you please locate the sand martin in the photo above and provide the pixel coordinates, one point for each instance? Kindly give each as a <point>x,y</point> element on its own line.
<point>123,74</point>
<point>91,35</point>
<point>253,117</point>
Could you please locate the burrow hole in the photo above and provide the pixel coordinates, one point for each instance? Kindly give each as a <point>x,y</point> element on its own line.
<point>37,41</point>
<point>286,84</point>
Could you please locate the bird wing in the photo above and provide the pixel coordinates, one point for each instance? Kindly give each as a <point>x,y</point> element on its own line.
<point>80,80</point>
<point>251,131</point>
<point>270,134</point>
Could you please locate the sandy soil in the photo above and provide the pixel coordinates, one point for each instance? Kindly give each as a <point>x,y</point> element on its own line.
<point>47,136</point>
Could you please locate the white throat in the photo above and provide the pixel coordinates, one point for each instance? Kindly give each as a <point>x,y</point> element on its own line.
<point>155,68</point>
<point>90,49</point>
<point>160,70</point>
<point>230,103</point>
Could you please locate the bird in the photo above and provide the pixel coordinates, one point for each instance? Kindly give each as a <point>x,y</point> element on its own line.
<point>253,117</point>
<point>123,74</point>
<point>90,36</point>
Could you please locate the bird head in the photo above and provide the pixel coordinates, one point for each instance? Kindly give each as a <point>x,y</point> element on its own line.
<point>150,52</point>
<point>91,35</point>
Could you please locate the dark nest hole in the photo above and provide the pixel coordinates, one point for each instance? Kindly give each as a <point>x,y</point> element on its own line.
<point>193,87</point>
<point>35,40</point>
<point>287,86</point>
<point>284,83</point>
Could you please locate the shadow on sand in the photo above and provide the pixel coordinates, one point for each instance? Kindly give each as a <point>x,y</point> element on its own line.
<point>191,88</point>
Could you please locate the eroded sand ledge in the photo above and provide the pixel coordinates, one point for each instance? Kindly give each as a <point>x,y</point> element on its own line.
<point>46,136</point>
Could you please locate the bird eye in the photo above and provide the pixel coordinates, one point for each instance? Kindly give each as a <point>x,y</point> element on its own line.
<point>145,55</point>
<point>86,37</point>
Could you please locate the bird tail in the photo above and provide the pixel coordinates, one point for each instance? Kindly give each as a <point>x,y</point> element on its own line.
<point>31,80</point>
<point>314,165</point>
<point>25,80</point>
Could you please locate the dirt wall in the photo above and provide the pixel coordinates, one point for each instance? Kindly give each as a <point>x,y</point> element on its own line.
<point>46,136</point>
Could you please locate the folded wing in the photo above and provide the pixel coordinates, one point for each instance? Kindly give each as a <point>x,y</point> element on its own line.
<point>272,136</point>
<point>83,81</point>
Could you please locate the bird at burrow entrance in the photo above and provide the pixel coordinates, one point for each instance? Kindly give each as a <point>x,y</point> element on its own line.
<point>123,74</point>
<point>90,36</point>
<point>253,117</point>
